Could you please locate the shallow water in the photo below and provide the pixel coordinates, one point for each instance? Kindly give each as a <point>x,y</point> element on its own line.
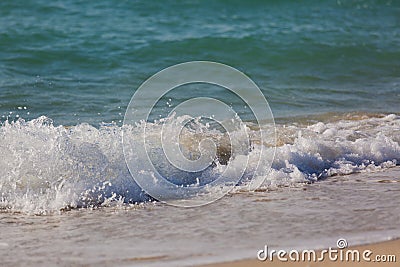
<point>329,180</point>
<point>330,71</point>
<point>359,207</point>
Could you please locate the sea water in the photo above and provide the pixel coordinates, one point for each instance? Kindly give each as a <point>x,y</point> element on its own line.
<point>329,70</point>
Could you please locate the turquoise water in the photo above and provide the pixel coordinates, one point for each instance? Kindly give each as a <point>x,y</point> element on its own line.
<point>329,69</point>
<point>79,61</point>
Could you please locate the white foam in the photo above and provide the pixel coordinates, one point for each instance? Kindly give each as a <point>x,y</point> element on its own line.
<point>44,168</point>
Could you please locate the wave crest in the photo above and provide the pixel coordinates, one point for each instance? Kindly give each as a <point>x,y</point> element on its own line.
<point>45,168</point>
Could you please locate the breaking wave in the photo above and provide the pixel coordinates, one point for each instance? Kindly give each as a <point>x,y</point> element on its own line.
<point>46,168</point>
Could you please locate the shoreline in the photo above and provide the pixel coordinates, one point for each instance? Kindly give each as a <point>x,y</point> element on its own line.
<point>384,248</point>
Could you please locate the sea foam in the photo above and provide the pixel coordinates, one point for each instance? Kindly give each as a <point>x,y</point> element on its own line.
<point>46,168</point>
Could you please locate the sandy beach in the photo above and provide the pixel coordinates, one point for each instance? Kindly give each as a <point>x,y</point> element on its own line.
<point>382,249</point>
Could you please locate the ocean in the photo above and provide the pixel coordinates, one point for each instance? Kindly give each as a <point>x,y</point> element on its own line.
<point>330,71</point>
